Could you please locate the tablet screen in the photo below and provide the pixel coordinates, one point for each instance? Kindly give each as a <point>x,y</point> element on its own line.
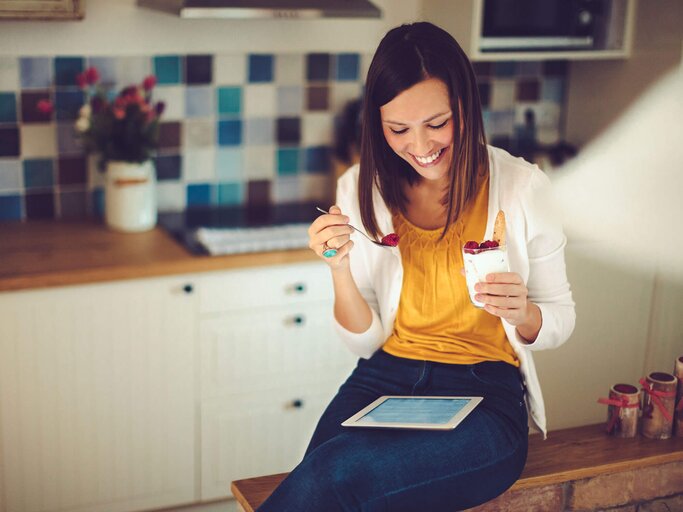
<point>415,410</point>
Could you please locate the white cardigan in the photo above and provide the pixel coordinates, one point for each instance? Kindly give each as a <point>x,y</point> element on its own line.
<point>535,244</point>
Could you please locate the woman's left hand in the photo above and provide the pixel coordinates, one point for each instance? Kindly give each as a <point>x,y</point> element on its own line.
<point>505,295</point>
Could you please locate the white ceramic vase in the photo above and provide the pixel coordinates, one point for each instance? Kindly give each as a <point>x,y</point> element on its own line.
<point>130,201</point>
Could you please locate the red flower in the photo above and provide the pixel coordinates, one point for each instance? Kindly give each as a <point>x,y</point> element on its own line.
<point>149,83</point>
<point>131,90</point>
<point>45,107</point>
<point>92,75</point>
<point>81,80</point>
<point>119,113</point>
<point>160,107</point>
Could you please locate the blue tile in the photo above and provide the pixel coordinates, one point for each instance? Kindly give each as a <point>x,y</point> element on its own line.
<point>67,104</point>
<point>504,68</point>
<point>230,132</point>
<point>10,207</point>
<point>168,167</point>
<point>229,164</point>
<point>8,107</point>
<point>287,161</point>
<point>67,141</point>
<point>317,159</point>
<point>168,69</point>
<point>552,89</point>
<point>260,68</point>
<point>38,173</point>
<point>66,69</point>
<point>106,67</point>
<point>199,69</point>
<point>230,193</point>
<point>97,201</point>
<point>348,65</point>
<point>35,72</point>
<point>199,194</point>
<point>199,101</point>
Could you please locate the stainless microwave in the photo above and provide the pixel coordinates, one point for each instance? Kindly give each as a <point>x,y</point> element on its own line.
<point>546,25</point>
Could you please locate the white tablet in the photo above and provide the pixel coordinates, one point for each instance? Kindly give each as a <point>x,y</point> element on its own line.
<point>419,412</point>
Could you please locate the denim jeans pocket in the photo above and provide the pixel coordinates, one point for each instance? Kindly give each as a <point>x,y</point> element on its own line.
<point>497,374</point>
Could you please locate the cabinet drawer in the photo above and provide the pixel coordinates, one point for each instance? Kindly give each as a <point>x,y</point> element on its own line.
<point>248,351</point>
<point>258,433</point>
<point>265,286</point>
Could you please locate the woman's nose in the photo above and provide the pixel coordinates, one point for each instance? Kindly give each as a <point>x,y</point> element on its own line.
<point>422,144</point>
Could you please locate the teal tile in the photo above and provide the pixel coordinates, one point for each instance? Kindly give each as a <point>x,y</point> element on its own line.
<point>66,69</point>
<point>229,100</point>
<point>230,193</point>
<point>167,69</point>
<point>38,173</point>
<point>287,161</point>
<point>8,107</point>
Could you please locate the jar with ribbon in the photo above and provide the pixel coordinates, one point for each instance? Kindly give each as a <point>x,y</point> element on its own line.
<point>678,372</point>
<point>622,411</point>
<point>659,396</point>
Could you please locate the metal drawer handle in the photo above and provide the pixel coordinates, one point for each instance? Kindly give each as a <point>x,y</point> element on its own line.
<point>296,320</point>
<point>297,288</point>
<point>297,403</point>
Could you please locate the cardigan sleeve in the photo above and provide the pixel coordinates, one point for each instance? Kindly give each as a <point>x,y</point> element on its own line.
<point>547,283</point>
<point>363,344</point>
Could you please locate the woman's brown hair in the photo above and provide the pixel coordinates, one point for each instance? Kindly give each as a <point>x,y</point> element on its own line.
<point>406,56</point>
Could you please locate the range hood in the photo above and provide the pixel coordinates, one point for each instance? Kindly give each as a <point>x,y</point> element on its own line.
<point>282,9</point>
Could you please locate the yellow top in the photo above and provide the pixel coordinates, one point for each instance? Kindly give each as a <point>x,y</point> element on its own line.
<point>436,320</point>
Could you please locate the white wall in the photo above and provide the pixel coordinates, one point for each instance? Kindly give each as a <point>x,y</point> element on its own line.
<point>119,27</point>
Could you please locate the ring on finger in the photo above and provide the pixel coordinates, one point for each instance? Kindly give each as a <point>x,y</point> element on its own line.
<point>328,252</point>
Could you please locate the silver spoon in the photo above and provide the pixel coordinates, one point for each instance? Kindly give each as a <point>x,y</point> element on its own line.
<point>361,232</point>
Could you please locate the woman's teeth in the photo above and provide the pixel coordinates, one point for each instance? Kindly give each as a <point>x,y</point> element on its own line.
<point>429,159</point>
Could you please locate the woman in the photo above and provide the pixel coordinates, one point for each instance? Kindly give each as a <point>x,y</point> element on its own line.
<point>427,174</point>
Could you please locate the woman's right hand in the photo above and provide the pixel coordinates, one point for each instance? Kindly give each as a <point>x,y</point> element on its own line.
<point>331,229</point>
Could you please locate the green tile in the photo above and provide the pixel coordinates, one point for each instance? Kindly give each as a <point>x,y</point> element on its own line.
<point>229,193</point>
<point>8,107</point>
<point>229,100</point>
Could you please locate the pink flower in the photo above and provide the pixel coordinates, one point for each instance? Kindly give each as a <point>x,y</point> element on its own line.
<point>119,113</point>
<point>131,90</point>
<point>149,83</point>
<point>81,80</point>
<point>92,75</point>
<point>45,107</point>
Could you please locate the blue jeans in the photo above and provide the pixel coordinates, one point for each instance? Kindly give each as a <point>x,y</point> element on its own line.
<point>372,470</point>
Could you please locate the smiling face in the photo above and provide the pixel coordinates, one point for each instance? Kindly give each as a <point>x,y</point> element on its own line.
<point>418,126</point>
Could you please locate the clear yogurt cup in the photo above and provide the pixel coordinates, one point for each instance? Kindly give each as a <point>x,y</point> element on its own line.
<point>480,262</point>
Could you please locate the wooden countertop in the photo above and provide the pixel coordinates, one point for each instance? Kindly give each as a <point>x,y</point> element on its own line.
<point>38,254</point>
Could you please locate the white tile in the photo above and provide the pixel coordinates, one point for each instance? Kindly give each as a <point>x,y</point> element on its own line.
<point>11,176</point>
<point>199,133</point>
<point>9,73</point>
<point>171,196</point>
<point>174,98</point>
<point>343,92</point>
<point>260,100</point>
<point>259,162</point>
<point>229,165</point>
<point>230,69</point>
<point>96,178</point>
<point>287,189</point>
<point>289,69</point>
<point>317,129</point>
<point>502,94</point>
<point>38,140</point>
<point>132,70</point>
<point>199,165</point>
<point>365,61</point>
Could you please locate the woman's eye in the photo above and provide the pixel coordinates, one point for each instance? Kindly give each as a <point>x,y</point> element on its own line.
<point>439,126</point>
<point>398,132</point>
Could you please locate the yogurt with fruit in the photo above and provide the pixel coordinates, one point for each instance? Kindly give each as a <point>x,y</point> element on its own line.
<point>481,259</point>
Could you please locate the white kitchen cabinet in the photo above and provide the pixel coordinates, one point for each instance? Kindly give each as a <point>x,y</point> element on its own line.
<point>42,9</point>
<point>97,397</point>
<point>270,363</point>
<point>463,20</point>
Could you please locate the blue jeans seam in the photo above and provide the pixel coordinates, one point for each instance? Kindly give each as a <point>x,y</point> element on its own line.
<point>424,371</point>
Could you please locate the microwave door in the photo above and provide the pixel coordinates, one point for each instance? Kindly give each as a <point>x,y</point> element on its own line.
<point>537,24</point>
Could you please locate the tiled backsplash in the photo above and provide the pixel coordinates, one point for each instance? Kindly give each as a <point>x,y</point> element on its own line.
<point>236,129</point>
